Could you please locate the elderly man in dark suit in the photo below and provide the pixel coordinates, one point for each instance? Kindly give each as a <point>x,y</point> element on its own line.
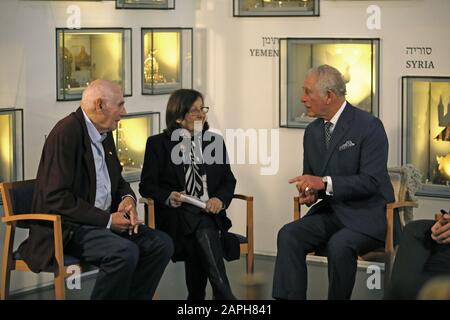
<point>79,177</point>
<point>344,165</point>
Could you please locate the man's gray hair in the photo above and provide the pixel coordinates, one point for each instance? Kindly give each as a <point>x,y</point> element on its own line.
<point>328,78</point>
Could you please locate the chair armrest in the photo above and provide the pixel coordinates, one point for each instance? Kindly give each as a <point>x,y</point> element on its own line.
<point>297,212</point>
<point>147,201</point>
<point>389,244</point>
<point>243,197</point>
<point>249,213</point>
<point>150,212</point>
<point>32,216</point>
<point>403,204</point>
<point>57,233</point>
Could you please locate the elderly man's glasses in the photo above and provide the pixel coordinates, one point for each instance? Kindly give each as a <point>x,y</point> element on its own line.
<point>195,111</point>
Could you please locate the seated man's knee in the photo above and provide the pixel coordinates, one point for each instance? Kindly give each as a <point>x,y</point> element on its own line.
<point>165,244</point>
<point>289,238</point>
<point>127,253</point>
<point>417,229</point>
<point>337,248</point>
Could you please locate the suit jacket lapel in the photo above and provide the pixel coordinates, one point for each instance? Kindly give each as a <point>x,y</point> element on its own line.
<point>321,137</point>
<point>88,157</point>
<point>179,168</point>
<point>342,127</point>
<point>110,152</point>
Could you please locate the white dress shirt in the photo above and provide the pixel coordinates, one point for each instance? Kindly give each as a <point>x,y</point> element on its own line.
<point>334,120</point>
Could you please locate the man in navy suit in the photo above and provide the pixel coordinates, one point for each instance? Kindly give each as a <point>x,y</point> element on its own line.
<point>344,165</point>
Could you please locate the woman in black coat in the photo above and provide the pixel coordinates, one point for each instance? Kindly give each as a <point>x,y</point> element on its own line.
<point>188,159</point>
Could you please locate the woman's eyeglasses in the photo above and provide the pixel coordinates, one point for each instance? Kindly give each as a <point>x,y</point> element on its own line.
<point>195,111</point>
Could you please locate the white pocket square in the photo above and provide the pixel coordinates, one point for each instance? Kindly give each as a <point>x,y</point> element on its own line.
<point>346,145</point>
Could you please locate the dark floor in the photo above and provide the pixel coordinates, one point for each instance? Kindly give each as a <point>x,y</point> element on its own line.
<point>172,285</point>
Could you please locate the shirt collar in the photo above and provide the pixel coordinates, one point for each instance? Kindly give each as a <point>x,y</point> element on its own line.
<point>96,137</point>
<point>336,116</point>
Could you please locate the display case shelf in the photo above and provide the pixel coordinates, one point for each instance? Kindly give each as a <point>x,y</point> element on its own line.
<point>273,8</point>
<point>356,59</point>
<point>166,60</point>
<point>145,4</point>
<point>131,138</point>
<point>426,131</point>
<point>86,54</point>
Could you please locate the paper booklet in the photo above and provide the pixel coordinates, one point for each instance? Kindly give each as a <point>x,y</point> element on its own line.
<point>194,201</point>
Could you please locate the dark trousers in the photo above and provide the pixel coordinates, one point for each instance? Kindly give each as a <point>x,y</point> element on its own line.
<point>419,258</point>
<point>196,277</point>
<point>130,267</point>
<point>312,232</point>
<point>205,261</point>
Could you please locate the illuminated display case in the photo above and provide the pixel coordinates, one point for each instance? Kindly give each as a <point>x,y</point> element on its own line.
<point>86,54</point>
<point>166,60</point>
<point>11,145</point>
<point>145,4</point>
<point>131,138</point>
<point>426,131</point>
<point>356,59</point>
<point>273,8</point>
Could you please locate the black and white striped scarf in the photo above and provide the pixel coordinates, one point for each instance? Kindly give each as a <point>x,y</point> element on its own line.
<point>194,170</point>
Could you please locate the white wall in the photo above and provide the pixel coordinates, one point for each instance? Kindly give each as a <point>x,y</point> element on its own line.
<point>243,90</point>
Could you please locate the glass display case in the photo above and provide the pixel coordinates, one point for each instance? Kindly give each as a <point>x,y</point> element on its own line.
<point>86,54</point>
<point>426,131</point>
<point>145,4</point>
<point>274,8</point>
<point>166,60</point>
<point>11,145</point>
<point>131,138</point>
<point>356,59</point>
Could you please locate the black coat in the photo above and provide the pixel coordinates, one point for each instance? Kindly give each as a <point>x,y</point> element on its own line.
<point>66,185</point>
<point>160,176</point>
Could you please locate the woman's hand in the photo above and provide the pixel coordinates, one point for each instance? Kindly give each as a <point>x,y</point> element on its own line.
<point>175,199</point>
<point>214,205</point>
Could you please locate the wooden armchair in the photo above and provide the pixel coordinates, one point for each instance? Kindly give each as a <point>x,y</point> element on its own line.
<point>400,178</point>
<point>246,242</point>
<point>17,198</point>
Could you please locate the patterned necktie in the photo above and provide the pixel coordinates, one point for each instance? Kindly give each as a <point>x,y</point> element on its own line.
<point>193,178</point>
<point>328,126</point>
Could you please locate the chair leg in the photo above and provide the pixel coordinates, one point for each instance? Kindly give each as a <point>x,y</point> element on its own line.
<point>60,288</point>
<point>387,270</point>
<point>250,262</point>
<point>60,273</point>
<point>6,276</point>
<point>7,262</point>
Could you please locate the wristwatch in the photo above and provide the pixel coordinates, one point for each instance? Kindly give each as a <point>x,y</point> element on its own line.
<point>325,182</point>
